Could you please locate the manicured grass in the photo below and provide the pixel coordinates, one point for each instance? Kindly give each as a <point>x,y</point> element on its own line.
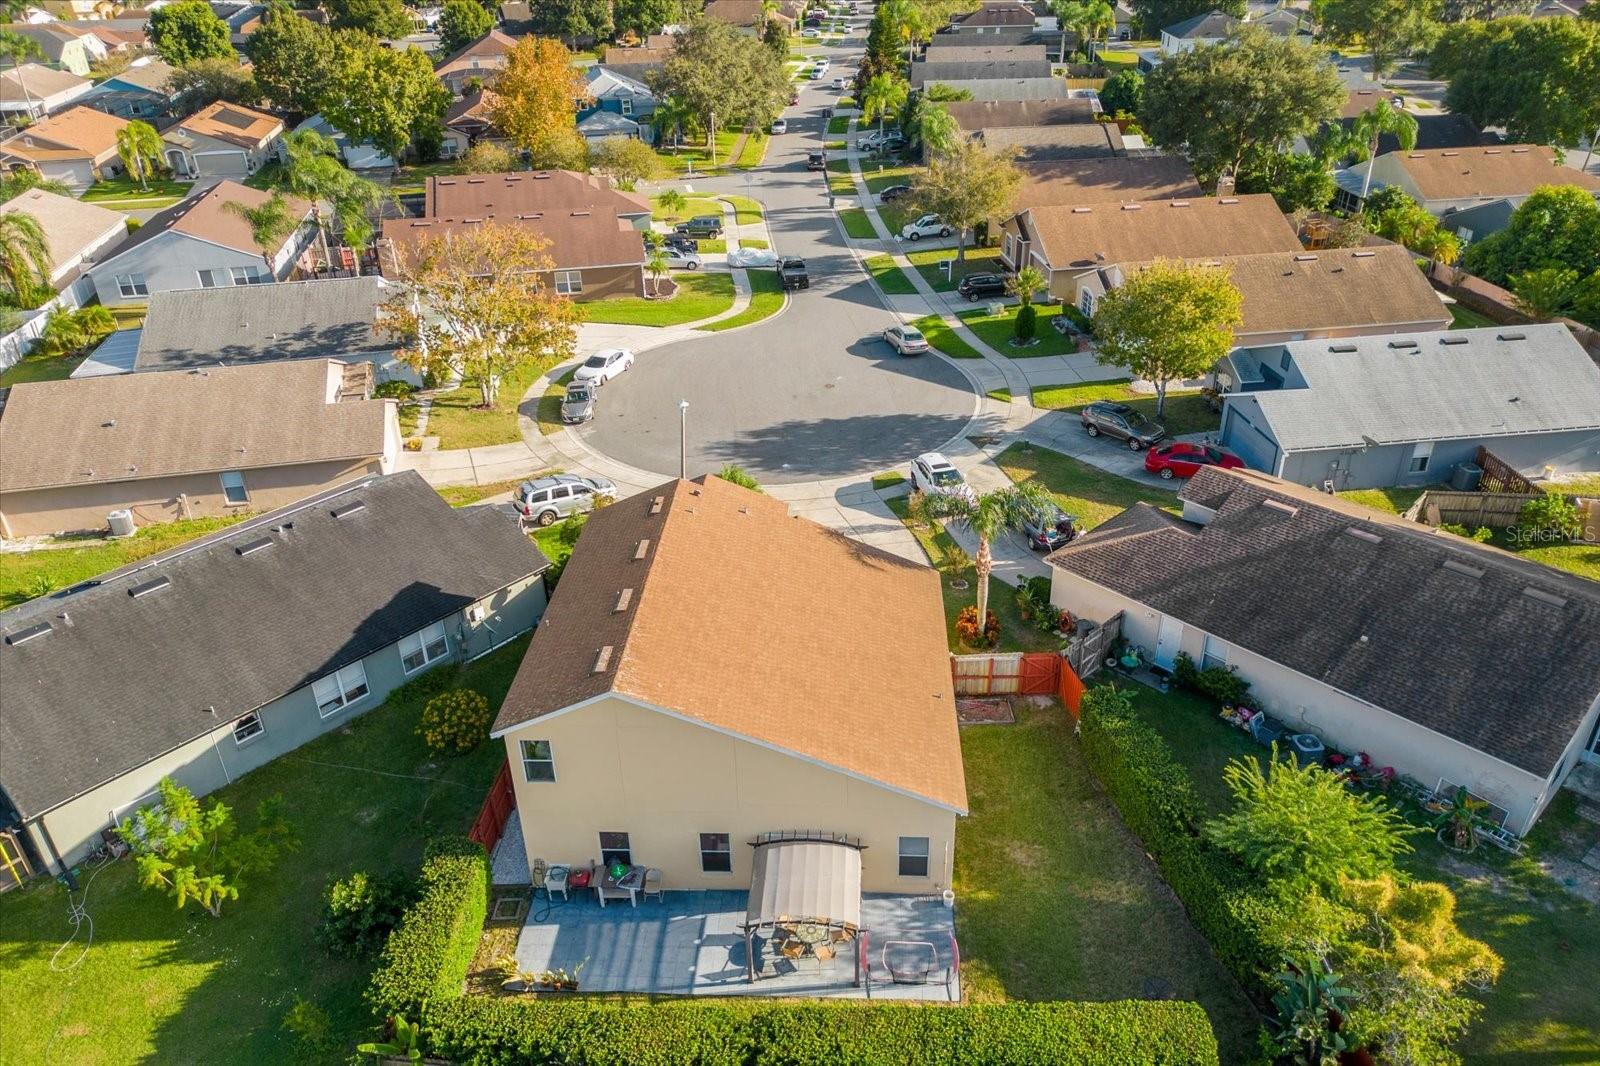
<point>680,160</point>
<point>1002,394</point>
<point>1536,1012</point>
<point>414,178</point>
<point>700,295</point>
<point>753,242</point>
<point>1015,634</point>
<point>459,422</point>
<point>833,146</point>
<point>942,337</point>
<point>837,125</point>
<point>888,479</point>
<point>890,278</point>
<point>838,166</point>
<point>747,211</point>
<point>708,246</point>
<point>1394,501</point>
<point>840,185</point>
<point>1083,490</point>
<point>978,261</point>
<point>1057,900</point>
<point>1187,412</point>
<point>185,987</point>
<point>40,368</point>
<point>265,178</point>
<point>997,331</point>
<point>857,224</point>
<point>692,206</point>
<point>753,152</point>
<point>24,575</point>
<point>464,495</point>
<point>766,299</point>
<point>1467,318</point>
<point>161,192</point>
<point>879,177</point>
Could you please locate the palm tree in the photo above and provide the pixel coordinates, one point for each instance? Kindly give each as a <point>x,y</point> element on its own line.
<point>1027,281</point>
<point>1383,118</point>
<point>312,171</point>
<point>25,260</point>
<point>671,113</point>
<point>656,264</point>
<point>672,202</point>
<point>885,93</point>
<point>1098,17</point>
<point>139,147</point>
<point>67,331</point>
<point>269,224</point>
<point>987,516</point>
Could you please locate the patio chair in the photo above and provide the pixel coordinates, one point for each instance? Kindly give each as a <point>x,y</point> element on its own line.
<point>555,880</point>
<point>793,949</point>
<point>652,884</point>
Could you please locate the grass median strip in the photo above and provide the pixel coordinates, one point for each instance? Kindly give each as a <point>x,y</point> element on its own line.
<point>942,337</point>
<point>766,299</point>
<point>857,224</point>
<point>890,278</point>
<point>747,211</point>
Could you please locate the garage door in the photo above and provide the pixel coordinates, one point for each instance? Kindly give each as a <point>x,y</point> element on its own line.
<point>1243,437</point>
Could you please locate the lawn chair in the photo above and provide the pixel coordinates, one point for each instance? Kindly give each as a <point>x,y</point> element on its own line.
<point>652,884</point>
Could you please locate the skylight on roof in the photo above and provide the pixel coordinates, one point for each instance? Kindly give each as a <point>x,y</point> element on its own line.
<point>602,660</point>
<point>643,549</point>
<point>22,636</point>
<point>145,588</point>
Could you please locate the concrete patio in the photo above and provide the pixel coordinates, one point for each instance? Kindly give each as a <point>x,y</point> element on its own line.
<point>690,943</point>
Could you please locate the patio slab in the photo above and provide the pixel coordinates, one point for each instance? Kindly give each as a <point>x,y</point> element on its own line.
<point>690,943</point>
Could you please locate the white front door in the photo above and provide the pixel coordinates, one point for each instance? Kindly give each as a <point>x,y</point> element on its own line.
<point>1167,641</point>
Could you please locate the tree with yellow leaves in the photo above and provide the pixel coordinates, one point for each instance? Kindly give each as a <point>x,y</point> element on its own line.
<point>532,103</point>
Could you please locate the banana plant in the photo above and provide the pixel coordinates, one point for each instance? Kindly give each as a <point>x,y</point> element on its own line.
<point>406,1042</point>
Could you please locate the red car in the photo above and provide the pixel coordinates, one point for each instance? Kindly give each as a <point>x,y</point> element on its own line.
<point>1182,459</point>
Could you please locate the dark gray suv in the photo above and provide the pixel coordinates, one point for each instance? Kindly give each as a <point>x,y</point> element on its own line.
<point>1123,422</point>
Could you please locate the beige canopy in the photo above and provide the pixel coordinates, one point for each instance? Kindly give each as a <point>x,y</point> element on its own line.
<point>805,881</point>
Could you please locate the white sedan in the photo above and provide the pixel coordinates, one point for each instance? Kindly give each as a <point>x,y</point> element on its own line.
<point>679,259</point>
<point>604,365</point>
<point>926,226</point>
<point>780,126</point>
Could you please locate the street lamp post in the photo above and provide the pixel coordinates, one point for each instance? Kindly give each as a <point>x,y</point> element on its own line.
<point>683,439</point>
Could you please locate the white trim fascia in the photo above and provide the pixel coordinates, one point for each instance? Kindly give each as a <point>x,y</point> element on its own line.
<point>768,745</point>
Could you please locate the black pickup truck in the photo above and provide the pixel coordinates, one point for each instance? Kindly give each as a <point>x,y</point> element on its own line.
<point>792,273</point>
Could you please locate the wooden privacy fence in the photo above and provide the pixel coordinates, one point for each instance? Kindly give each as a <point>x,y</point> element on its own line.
<point>497,807</point>
<point>1006,674</point>
<point>1086,652</point>
<point>1497,510</point>
<point>1501,476</point>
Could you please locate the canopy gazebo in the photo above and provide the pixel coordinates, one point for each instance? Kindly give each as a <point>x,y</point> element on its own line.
<point>804,881</point>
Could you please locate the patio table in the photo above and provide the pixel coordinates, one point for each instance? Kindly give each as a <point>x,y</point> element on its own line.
<point>631,881</point>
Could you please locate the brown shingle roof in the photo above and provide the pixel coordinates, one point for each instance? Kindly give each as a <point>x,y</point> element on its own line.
<point>70,226</point>
<point>1053,182</point>
<point>754,623</point>
<point>1507,170</point>
<point>78,132</point>
<point>492,45</point>
<point>969,50</point>
<point>207,218</point>
<point>123,427</point>
<point>1003,13</point>
<point>232,123</point>
<point>982,114</point>
<point>1095,235</point>
<point>1083,140</point>
<point>653,54</point>
<point>31,81</point>
<point>578,239</point>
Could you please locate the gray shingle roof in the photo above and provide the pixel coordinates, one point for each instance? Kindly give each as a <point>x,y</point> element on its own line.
<point>1500,381</point>
<point>1213,24</point>
<point>119,681</point>
<point>332,318</point>
<point>1393,623</point>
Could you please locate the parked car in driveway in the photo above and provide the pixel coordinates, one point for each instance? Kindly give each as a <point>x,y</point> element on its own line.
<point>708,227</point>
<point>935,475</point>
<point>888,141</point>
<point>978,286</point>
<point>893,193</point>
<point>1047,527</point>
<point>906,340</point>
<point>1122,422</point>
<point>679,259</point>
<point>1181,459</point>
<point>680,242</point>
<point>549,498</point>
<point>926,226</point>
<point>604,365</point>
<point>578,404</point>
<point>752,257</point>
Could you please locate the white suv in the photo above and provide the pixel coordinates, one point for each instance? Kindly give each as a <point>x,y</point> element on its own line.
<point>935,475</point>
<point>926,226</point>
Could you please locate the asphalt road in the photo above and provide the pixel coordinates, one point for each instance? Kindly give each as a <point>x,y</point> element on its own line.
<point>811,393</point>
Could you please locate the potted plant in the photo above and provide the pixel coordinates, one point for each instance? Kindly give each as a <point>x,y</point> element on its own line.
<point>1457,820</point>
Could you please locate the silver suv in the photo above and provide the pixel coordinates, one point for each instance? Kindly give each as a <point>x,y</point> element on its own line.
<point>549,498</point>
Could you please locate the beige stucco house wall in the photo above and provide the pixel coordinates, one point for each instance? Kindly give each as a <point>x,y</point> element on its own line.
<point>623,767</point>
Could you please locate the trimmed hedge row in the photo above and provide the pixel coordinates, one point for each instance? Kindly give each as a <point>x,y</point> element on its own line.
<point>429,953</point>
<point>489,1032</point>
<point>1153,793</point>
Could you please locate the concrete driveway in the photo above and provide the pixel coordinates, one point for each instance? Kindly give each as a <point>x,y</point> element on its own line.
<point>811,393</point>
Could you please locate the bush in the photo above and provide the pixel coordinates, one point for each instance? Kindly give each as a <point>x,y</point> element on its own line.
<point>1221,683</point>
<point>1481,535</point>
<point>426,685</point>
<point>475,1030</point>
<point>1551,515</point>
<point>428,954</point>
<point>456,721</point>
<point>1027,323</point>
<point>360,911</point>
<point>738,475</point>
<point>396,389</point>
<point>967,628</point>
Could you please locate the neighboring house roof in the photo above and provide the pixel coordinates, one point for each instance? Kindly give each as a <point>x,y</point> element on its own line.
<point>1213,25</point>
<point>71,227</point>
<point>52,39</point>
<point>744,13</point>
<point>332,318</point>
<point>658,48</point>
<point>206,217</point>
<point>149,73</point>
<point>232,123</point>
<point>926,70</point>
<point>1510,644</point>
<point>1441,130</point>
<point>492,46</point>
<point>1086,236</point>
<point>1480,173</point>
<point>1397,389</point>
<point>967,51</point>
<point>1283,22</point>
<point>983,114</point>
<point>76,133</point>
<point>1009,88</point>
<point>129,427</point>
<point>608,124</point>
<point>1360,288</point>
<point>605,82</point>
<point>1114,179</point>
<point>722,578</point>
<point>31,82</point>
<point>516,15</point>
<point>474,111</point>
<point>1002,13</point>
<point>1082,140</point>
<point>132,679</point>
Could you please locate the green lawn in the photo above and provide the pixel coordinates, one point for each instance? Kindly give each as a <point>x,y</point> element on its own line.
<point>459,422</point>
<point>978,261</point>
<point>700,295</point>
<point>1057,898</point>
<point>463,495</point>
<point>1394,501</point>
<point>181,987</point>
<point>24,575</point>
<point>888,479</point>
<point>265,178</point>
<point>679,160</point>
<point>1467,318</point>
<point>753,242</point>
<point>1536,1013</point>
<point>161,192</point>
<point>1083,490</point>
<point>890,278</point>
<point>857,224</point>
<point>942,337</point>
<point>1002,394</point>
<point>879,177</point>
<point>411,179</point>
<point>40,368</point>
<point>838,125</point>
<point>748,211</point>
<point>754,151</point>
<point>766,299</point>
<point>1187,412</point>
<point>840,185</point>
<point>997,331</point>
<point>1015,634</point>
<point>692,206</point>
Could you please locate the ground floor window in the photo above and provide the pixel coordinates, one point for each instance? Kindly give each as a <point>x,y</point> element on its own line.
<point>1214,654</point>
<point>248,728</point>
<point>1420,455</point>
<point>716,853</point>
<point>614,848</point>
<point>423,647</point>
<point>340,689</point>
<point>233,490</point>
<point>569,282</point>
<point>538,761</point>
<point>130,285</point>
<point>913,856</point>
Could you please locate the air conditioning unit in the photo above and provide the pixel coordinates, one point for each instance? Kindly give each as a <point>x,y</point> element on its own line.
<point>476,613</point>
<point>120,522</point>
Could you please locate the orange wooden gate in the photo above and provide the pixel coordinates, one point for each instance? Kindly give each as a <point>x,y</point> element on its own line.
<point>497,807</point>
